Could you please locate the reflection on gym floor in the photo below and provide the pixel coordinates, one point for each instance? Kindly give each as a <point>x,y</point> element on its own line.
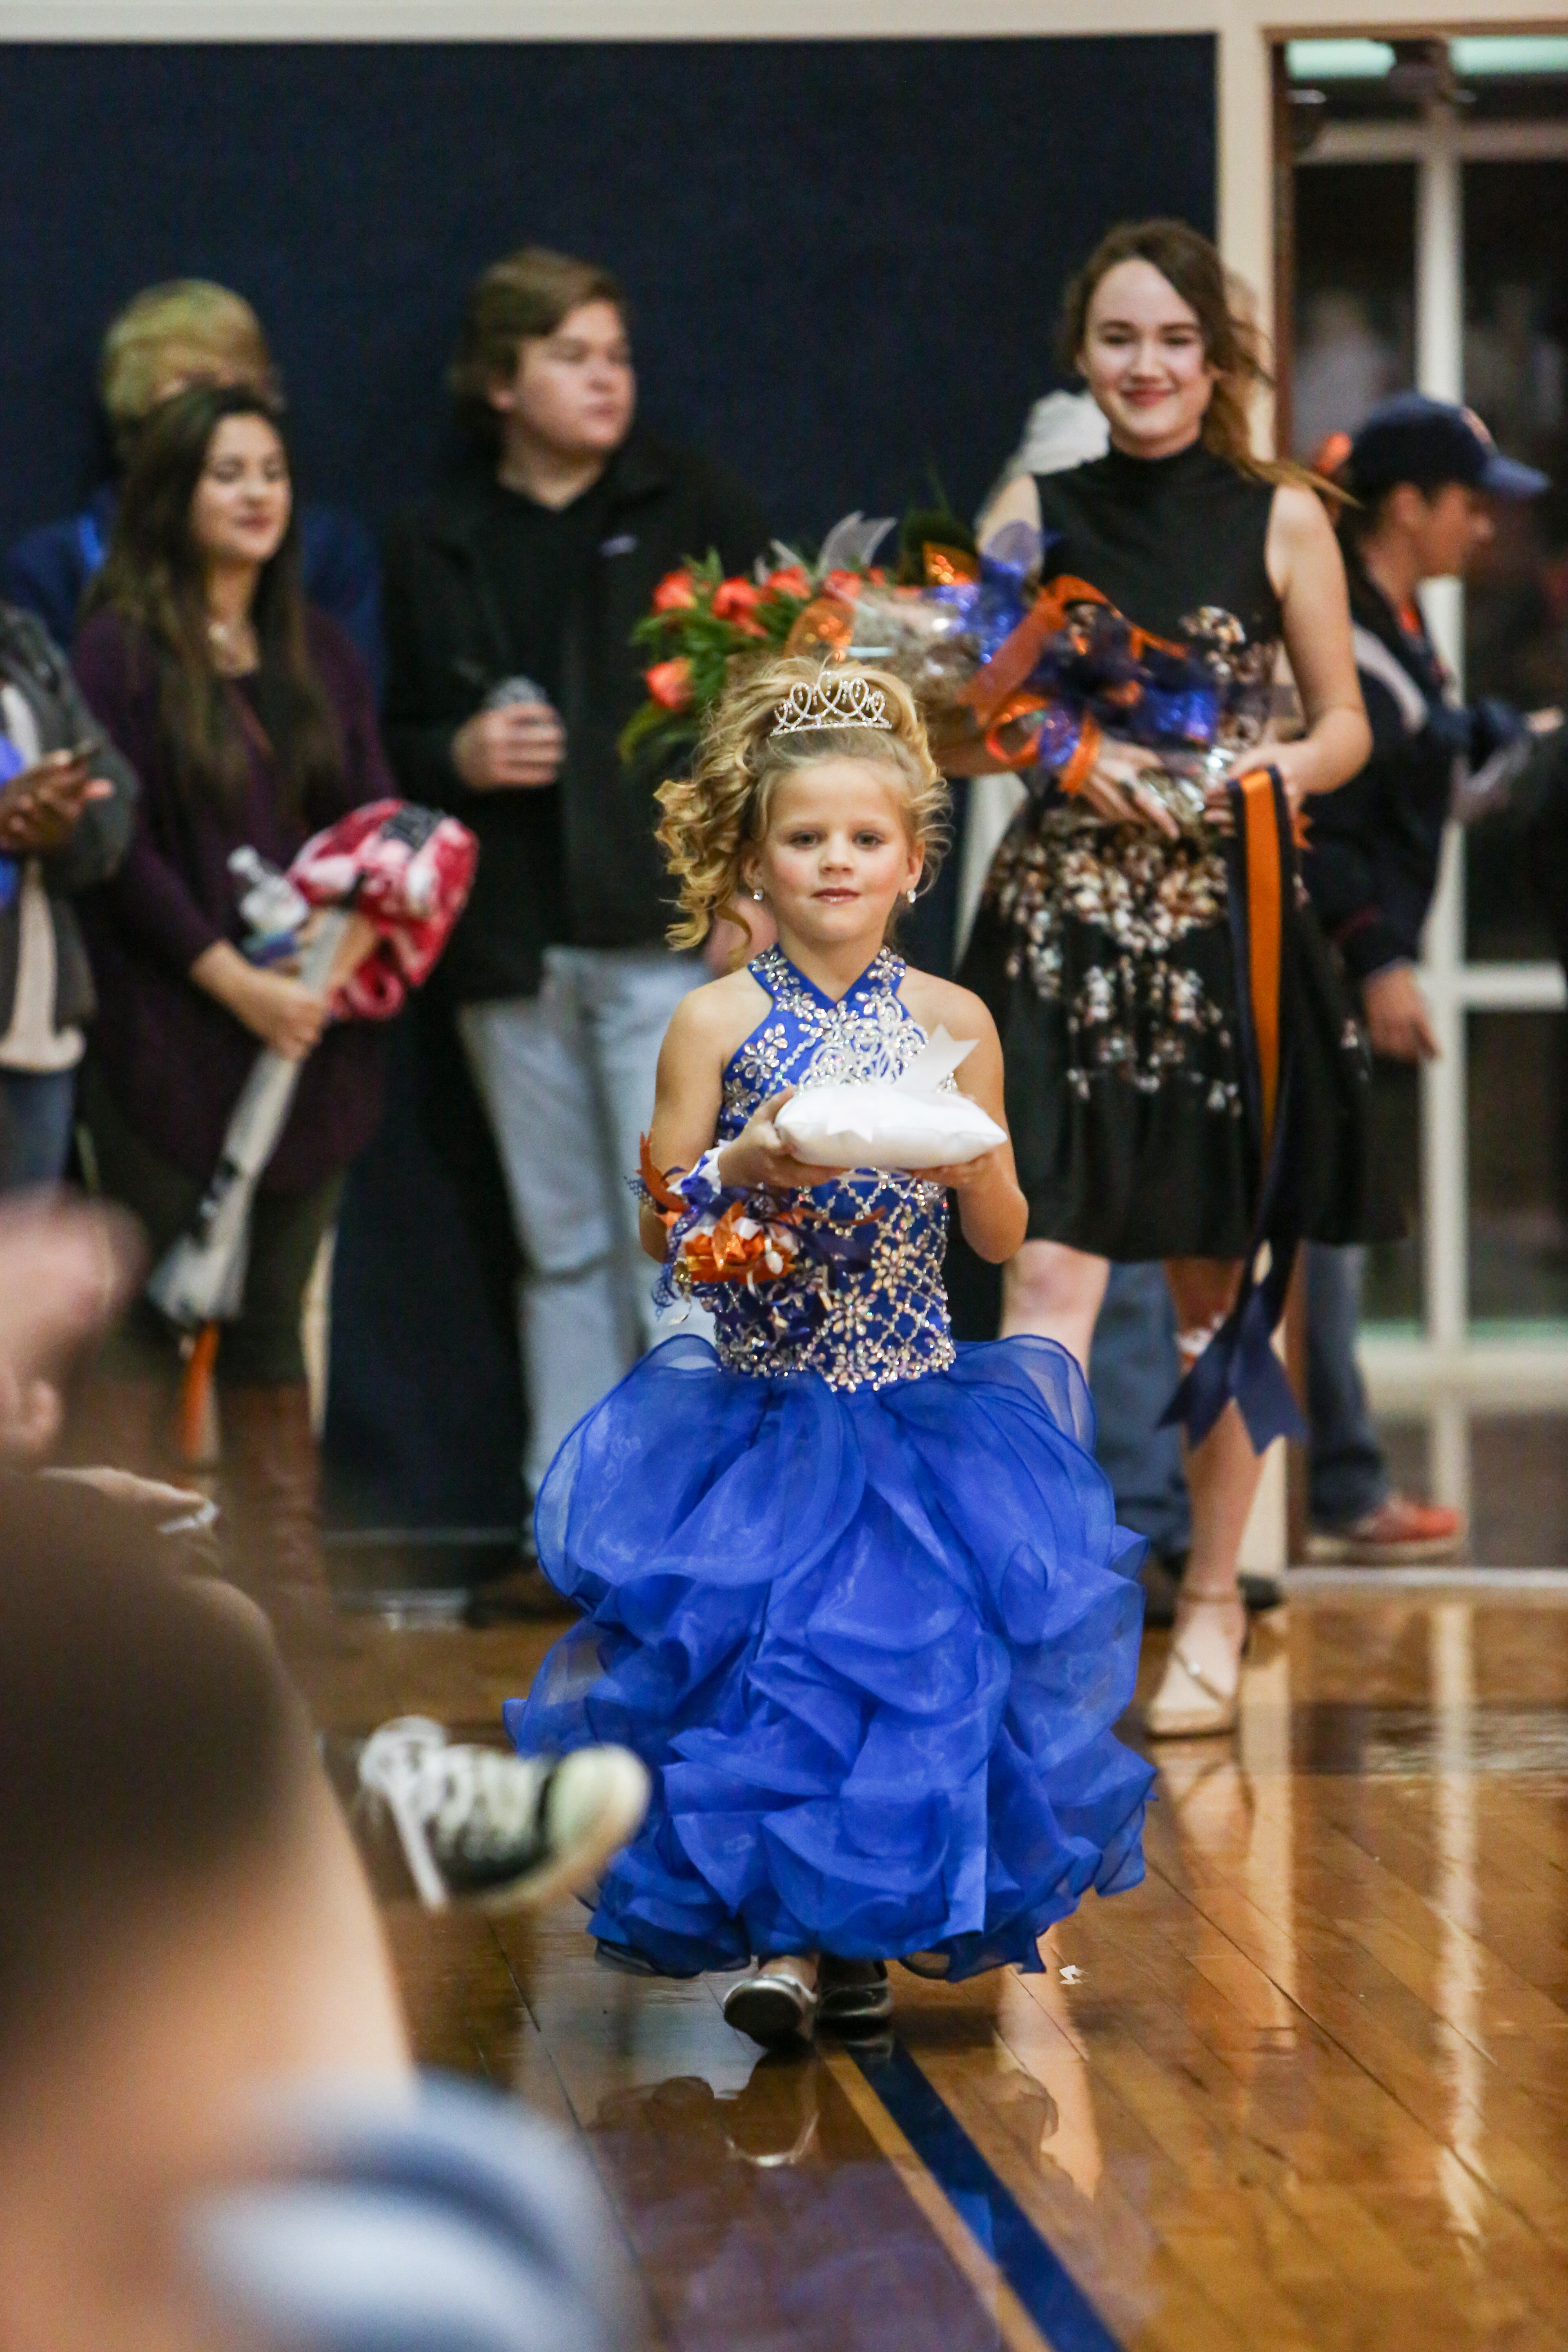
<point>1303,2088</point>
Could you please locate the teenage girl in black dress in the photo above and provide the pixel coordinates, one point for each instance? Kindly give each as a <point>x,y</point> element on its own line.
<point>1103,944</point>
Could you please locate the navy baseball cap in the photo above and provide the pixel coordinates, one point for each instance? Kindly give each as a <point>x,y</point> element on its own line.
<point>1413,438</point>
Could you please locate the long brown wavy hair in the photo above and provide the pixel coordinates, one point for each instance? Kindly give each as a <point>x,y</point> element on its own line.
<point>156,577</point>
<point>1233,344</point>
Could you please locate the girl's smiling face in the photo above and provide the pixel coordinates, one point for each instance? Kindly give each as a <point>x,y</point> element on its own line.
<point>837,851</point>
<point>1144,361</point>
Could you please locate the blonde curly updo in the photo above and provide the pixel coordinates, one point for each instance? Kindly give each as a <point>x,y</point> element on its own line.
<point>712,817</point>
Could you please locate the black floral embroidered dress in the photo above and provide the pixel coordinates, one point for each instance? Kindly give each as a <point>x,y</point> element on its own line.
<point>1105,951</point>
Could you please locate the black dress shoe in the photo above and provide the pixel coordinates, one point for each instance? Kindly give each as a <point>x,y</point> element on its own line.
<point>621,1960</point>
<point>855,1995</point>
<point>773,2007</point>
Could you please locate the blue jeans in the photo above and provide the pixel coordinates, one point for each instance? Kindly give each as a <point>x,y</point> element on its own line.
<point>1133,1369</point>
<point>1348,1474</point>
<point>35,1111</point>
<point>566,1078</point>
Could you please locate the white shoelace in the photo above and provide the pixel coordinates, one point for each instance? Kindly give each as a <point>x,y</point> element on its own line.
<point>445,1801</point>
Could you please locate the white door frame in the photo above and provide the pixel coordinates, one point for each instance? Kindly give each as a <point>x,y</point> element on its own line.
<point>1449,1368</point>
<point>1450,1358</point>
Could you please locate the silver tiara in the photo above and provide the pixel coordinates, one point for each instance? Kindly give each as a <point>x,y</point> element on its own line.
<point>834,699</point>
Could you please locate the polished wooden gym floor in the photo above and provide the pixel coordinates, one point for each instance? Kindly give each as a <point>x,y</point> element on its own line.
<point>1308,2086</point>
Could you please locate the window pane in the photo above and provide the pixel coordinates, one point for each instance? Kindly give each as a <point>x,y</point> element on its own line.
<point>1393,1287</point>
<point>1519,1509</point>
<point>1516,607</point>
<point>1518,1231</point>
<point>1355,269</point>
<point>1518,1484</point>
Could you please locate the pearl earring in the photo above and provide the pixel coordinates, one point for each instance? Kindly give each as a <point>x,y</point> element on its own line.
<point>909,894</point>
<point>756,894</point>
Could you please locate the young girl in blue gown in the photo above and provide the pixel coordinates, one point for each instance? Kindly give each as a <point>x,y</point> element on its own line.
<point>858,1597</point>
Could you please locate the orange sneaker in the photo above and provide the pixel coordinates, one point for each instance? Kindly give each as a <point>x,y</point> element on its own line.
<point>1399,1533</point>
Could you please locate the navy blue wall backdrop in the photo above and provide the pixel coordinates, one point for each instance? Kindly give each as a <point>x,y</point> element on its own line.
<point>845,258</point>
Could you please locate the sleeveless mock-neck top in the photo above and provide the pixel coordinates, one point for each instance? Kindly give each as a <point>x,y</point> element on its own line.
<point>1165,538</point>
<point>1178,545</point>
<point>889,1321</point>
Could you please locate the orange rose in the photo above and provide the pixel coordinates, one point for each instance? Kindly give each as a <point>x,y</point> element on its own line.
<point>676,593</point>
<point>847,584</point>
<point>736,600</point>
<point>670,683</point>
<point>790,582</point>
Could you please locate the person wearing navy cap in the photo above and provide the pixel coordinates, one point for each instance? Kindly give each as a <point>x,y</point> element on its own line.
<point>1420,476</point>
<point>1435,446</point>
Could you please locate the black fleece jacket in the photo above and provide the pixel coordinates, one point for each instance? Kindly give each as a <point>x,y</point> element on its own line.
<point>447,646</point>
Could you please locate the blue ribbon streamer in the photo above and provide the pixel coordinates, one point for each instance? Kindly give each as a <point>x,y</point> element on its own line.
<point>1239,1361</point>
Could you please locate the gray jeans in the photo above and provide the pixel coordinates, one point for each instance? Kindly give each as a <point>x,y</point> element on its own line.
<point>567,1078</point>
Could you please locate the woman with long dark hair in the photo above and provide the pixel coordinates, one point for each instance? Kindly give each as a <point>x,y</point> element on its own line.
<point>249,718</point>
<point>1104,944</point>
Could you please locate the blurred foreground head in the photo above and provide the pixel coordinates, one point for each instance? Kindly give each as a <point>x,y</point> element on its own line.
<point>181,1921</point>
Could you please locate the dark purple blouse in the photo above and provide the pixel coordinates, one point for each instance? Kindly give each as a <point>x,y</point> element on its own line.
<point>173,1058</point>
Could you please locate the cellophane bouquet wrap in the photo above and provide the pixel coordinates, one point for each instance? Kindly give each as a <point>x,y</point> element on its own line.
<point>1008,675</point>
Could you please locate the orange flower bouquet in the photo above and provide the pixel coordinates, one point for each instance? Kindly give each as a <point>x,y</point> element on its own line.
<point>702,621</point>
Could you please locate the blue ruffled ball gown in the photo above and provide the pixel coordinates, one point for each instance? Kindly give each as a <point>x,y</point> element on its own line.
<point>857,1597</point>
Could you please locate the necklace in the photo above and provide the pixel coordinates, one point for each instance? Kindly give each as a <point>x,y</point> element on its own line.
<point>234,645</point>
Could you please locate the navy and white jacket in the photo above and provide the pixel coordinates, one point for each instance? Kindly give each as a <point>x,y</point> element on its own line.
<point>1374,843</point>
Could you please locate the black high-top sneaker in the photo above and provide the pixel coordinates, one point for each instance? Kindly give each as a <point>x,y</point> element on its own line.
<point>507,1833</point>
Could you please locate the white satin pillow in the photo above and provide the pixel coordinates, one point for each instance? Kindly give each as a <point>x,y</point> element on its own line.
<point>916,1121</point>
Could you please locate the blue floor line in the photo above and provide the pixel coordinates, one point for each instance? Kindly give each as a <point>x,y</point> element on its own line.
<point>1047,2290</point>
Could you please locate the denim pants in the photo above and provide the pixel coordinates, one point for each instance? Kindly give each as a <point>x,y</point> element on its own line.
<point>1133,1369</point>
<point>1133,1373</point>
<point>567,1080</point>
<point>1348,1474</point>
<point>36,1108</point>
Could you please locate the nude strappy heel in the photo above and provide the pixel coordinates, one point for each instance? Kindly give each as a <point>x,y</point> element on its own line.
<point>1192,1702</point>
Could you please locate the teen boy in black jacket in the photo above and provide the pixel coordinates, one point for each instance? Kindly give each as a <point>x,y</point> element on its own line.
<point>510,602</point>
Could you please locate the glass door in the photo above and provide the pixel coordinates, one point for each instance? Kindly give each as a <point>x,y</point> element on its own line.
<point>1430,194</point>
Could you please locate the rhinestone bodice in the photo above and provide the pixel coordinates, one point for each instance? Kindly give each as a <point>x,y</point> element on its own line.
<point>888,1322</point>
